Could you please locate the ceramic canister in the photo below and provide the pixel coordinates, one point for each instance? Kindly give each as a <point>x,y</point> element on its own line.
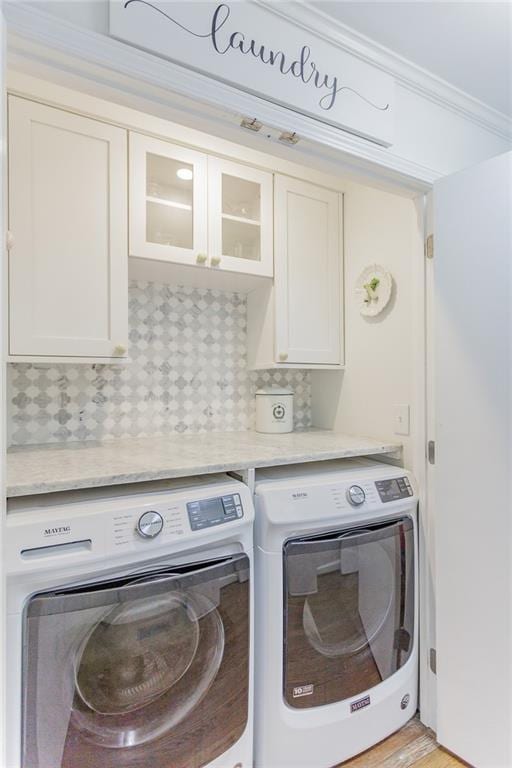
<point>274,410</point>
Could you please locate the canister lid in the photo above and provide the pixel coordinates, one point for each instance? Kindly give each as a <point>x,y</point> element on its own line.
<point>274,391</point>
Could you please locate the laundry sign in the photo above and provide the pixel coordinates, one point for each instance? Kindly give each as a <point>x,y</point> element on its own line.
<point>258,51</point>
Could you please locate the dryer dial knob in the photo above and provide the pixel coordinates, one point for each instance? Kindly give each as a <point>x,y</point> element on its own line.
<point>356,496</point>
<point>150,524</point>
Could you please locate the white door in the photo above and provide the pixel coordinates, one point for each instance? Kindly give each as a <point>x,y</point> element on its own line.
<point>5,695</point>
<point>240,218</point>
<point>308,273</point>
<point>473,478</point>
<point>68,264</point>
<point>168,202</point>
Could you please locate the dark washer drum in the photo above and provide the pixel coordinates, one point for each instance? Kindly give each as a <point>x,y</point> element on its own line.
<point>150,670</point>
<point>348,611</point>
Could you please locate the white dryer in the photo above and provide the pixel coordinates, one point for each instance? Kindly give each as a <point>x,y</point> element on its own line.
<point>336,610</point>
<point>129,627</point>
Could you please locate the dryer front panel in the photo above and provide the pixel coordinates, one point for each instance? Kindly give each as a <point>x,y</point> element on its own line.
<point>149,670</point>
<point>348,611</point>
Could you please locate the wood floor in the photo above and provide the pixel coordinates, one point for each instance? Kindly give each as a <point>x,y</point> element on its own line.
<point>414,746</point>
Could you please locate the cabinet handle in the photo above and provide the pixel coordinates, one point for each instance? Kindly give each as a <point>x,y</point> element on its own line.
<point>120,350</point>
<point>215,261</point>
<point>201,258</point>
<point>283,356</point>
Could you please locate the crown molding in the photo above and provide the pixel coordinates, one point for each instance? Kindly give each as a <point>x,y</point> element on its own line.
<point>305,14</point>
<point>34,34</point>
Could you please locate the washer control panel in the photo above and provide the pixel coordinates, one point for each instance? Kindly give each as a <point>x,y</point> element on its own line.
<point>150,524</point>
<point>356,495</point>
<point>220,509</point>
<point>395,489</point>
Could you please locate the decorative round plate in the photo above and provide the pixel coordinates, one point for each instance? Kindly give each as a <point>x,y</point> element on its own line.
<point>374,287</point>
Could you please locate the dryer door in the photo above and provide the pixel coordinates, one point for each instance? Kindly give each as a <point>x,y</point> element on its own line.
<point>147,670</point>
<point>349,611</point>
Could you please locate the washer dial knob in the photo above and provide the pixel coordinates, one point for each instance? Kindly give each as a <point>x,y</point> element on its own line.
<point>150,524</point>
<point>356,496</point>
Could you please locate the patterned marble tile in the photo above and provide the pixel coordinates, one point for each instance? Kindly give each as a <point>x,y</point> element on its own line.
<point>188,374</point>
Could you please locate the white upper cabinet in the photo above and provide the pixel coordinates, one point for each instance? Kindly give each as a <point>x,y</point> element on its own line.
<point>299,321</point>
<point>168,202</point>
<point>240,218</point>
<point>68,261</point>
<point>308,273</point>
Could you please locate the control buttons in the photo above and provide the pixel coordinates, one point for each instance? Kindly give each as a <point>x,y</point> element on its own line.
<point>394,489</point>
<point>232,506</point>
<point>238,506</point>
<point>150,524</point>
<point>356,496</point>
<point>207,512</point>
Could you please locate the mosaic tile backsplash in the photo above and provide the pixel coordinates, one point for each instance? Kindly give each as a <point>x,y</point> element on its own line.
<point>188,374</point>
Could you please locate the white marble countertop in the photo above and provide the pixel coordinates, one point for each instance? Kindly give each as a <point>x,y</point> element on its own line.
<point>62,467</point>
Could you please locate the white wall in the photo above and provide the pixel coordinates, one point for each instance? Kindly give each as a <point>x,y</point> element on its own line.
<point>380,228</point>
<point>439,130</point>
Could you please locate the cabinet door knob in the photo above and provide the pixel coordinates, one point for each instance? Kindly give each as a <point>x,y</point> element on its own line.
<point>119,349</point>
<point>201,258</point>
<point>283,356</point>
<point>215,261</point>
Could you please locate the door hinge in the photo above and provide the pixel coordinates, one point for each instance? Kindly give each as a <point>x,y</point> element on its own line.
<point>431,452</point>
<point>9,239</point>
<point>429,247</point>
<point>432,659</point>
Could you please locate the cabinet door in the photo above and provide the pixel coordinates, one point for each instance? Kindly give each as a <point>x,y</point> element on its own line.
<point>168,194</point>
<point>240,218</point>
<point>308,260</point>
<point>68,265</point>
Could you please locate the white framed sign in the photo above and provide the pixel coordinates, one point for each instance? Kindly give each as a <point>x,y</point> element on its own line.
<point>251,48</point>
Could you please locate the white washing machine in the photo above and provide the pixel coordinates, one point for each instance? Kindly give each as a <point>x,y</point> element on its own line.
<point>336,665</point>
<point>129,627</point>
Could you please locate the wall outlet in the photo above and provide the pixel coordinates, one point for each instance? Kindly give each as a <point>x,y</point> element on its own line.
<point>401,419</point>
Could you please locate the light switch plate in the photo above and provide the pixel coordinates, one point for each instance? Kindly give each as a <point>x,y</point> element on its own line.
<point>401,419</point>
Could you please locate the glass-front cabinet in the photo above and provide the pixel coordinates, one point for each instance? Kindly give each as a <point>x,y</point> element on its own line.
<point>168,204</point>
<point>190,208</point>
<point>240,218</point>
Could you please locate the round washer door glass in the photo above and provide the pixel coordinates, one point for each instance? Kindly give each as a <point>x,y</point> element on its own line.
<point>144,658</point>
<point>134,669</point>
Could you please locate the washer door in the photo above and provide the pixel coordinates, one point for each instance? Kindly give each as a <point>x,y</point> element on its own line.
<point>139,671</point>
<point>349,611</point>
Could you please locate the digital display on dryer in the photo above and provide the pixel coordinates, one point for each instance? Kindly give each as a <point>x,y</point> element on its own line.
<point>395,489</point>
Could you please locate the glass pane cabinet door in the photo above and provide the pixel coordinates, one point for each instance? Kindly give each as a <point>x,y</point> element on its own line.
<point>348,613</point>
<point>240,218</point>
<point>168,208</point>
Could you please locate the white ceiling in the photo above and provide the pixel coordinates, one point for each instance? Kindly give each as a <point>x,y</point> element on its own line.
<point>467,43</point>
